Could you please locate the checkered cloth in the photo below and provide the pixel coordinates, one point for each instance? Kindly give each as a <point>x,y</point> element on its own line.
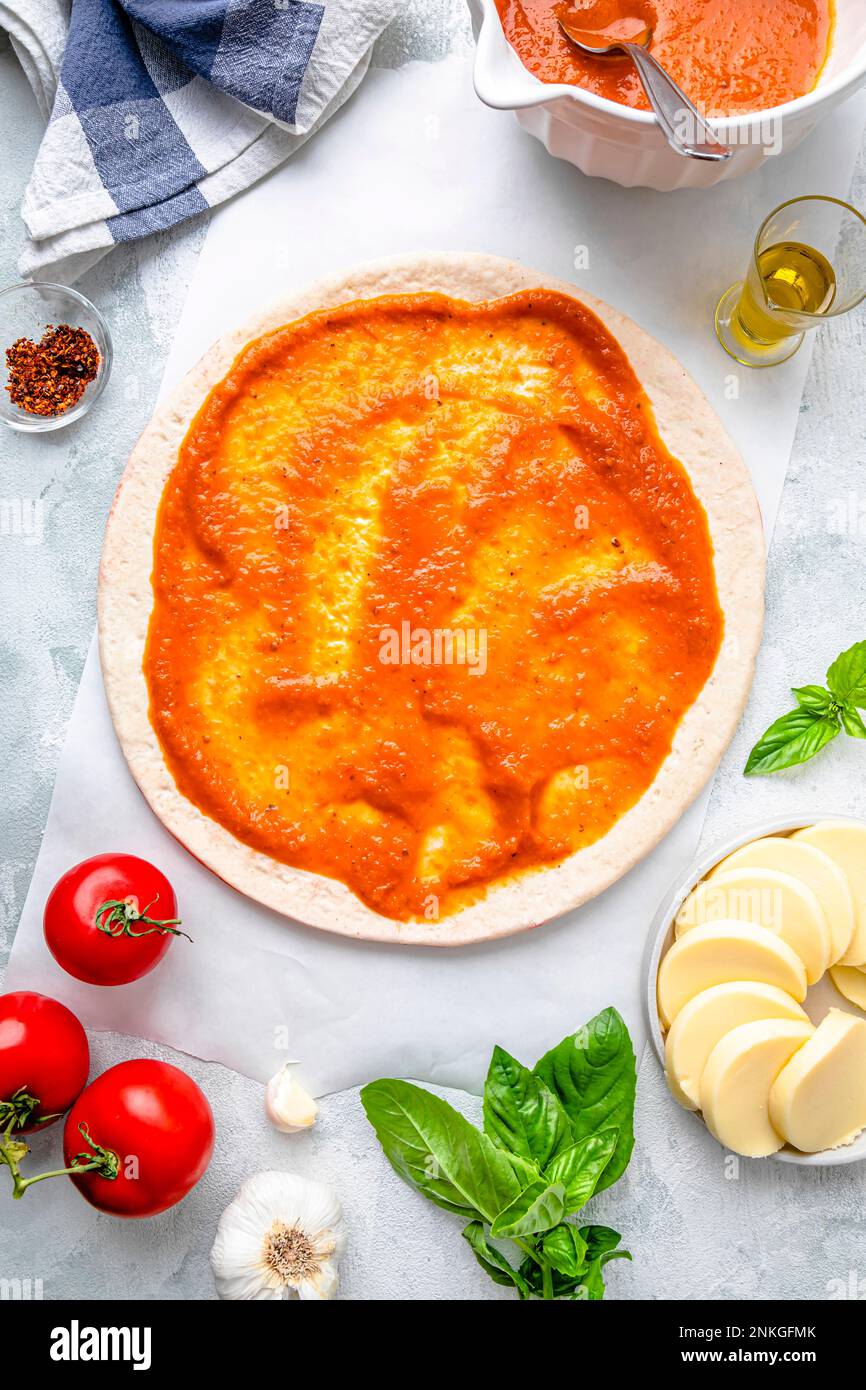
<point>160,109</point>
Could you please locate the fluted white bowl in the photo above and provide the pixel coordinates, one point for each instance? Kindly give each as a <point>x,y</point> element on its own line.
<point>608,140</point>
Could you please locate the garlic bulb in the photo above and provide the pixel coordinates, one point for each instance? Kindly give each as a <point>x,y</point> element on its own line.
<point>287,1104</point>
<point>281,1234</point>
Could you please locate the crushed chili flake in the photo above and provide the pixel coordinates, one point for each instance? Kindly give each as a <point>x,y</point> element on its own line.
<point>49,377</point>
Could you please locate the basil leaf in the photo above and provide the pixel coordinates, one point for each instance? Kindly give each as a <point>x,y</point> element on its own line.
<point>539,1207</point>
<point>793,739</point>
<point>564,1286</point>
<point>599,1240</point>
<point>565,1250</point>
<point>520,1114</point>
<point>852,722</point>
<point>586,1286</point>
<point>492,1261</point>
<point>433,1148</point>
<point>593,1075</point>
<point>530,1272</point>
<point>813,697</point>
<point>592,1284</point>
<point>847,676</point>
<point>580,1167</point>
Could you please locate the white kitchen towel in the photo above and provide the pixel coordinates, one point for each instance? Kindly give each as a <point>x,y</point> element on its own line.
<point>160,109</point>
<point>419,164</point>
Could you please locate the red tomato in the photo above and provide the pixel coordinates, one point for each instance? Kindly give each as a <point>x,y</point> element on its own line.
<point>43,1054</point>
<point>157,1123</point>
<point>111,919</point>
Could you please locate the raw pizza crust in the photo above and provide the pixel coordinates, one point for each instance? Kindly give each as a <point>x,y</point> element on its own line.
<point>693,434</point>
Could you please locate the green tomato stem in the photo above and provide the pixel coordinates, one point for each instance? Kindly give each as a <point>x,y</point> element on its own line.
<point>103,1161</point>
<point>19,1110</point>
<point>116,917</point>
<point>20,1185</point>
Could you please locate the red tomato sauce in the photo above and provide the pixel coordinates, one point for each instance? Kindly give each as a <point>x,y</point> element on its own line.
<point>368,480</point>
<point>731,57</point>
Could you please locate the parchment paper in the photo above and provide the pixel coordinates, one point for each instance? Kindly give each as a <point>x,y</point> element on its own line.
<point>413,163</point>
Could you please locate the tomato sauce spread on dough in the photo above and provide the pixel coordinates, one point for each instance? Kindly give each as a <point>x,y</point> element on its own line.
<point>731,57</point>
<point>430,595</point>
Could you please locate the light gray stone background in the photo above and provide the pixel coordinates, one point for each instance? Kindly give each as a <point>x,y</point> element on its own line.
<point>699,1224</point>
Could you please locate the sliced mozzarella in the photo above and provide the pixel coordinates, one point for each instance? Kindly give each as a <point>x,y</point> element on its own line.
<point>738,1077</point>
<point>819,1100</point>
<point>702,1022</point>
<point>770,899</point>
<point>812,867</point>
<point>724,951</point>
<point>850,980</point>
<point>844,841</point>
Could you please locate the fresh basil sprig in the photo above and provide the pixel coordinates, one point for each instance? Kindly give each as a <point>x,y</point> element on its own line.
<point>820,714</point>
<point>552,1137</point>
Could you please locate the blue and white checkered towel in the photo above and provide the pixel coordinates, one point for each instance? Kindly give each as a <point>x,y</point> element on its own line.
<point>160,109</point>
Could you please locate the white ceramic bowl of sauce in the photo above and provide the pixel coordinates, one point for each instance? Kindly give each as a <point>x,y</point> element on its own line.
<point>820,998</point>
<point>608,140</point>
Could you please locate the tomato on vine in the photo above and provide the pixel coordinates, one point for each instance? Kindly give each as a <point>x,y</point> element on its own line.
<point>156,1122</point>
<point>111,919</point>
<point>137,1139</point>
<point>44,1061</point>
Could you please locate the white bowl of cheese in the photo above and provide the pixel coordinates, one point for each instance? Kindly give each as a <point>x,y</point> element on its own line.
<point>755,1003</point>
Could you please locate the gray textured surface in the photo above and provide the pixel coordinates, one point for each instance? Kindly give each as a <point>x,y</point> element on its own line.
<point>699,1226</point>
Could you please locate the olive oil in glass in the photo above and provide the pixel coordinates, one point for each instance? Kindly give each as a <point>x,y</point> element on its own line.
<point>788,279</point>
<point>808,263</point>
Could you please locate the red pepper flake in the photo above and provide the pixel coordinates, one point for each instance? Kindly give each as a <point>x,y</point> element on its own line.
<point>49,377</point>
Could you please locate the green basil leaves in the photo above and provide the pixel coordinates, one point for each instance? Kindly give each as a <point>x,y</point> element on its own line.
<point>553,1136</point>
<point>436,1150</point>
<point>820,715</point>
<point>592,1073</point>
<point>520,1114</point>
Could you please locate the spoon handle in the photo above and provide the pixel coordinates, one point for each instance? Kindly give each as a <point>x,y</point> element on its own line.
<point>682,124</point>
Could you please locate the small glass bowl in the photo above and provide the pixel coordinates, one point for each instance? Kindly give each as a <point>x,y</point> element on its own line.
<point>26,310</point>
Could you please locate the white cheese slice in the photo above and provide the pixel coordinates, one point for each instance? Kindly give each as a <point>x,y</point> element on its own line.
<point>819,1100</point>
<point>850,980</point>
<point>724,951</point>
<point>812,867</point>
<point>738,1077</point>
<point>845,843</point>
<point>770,899</point>
<point>705,1020</point>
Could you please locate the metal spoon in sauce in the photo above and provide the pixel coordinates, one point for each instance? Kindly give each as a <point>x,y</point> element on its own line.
<point>677,116</point>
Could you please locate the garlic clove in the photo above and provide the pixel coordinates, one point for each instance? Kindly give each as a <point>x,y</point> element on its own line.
<point>287,1105</point>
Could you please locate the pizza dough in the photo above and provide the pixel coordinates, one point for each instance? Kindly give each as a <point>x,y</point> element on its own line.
<point>692,433</point>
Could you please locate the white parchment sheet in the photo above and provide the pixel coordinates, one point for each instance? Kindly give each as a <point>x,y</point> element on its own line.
<point>414,162</point>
